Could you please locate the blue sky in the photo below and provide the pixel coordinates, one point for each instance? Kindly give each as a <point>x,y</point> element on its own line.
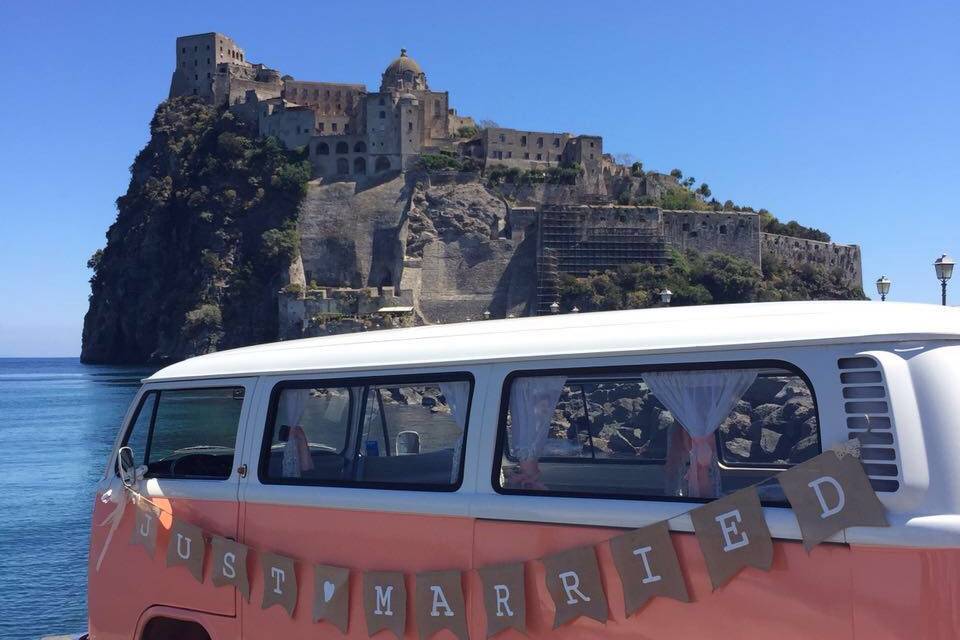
<point>842,115</point>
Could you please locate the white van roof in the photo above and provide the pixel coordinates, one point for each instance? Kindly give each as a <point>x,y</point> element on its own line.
<point>610,333</point>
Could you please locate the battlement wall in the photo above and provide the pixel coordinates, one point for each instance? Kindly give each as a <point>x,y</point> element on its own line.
<point>732,232</point>
<point>799,251</point>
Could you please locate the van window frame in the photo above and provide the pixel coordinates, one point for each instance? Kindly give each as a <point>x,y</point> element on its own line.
<point>366,382</point>
<point>157,395</point>
<point>713,365</point>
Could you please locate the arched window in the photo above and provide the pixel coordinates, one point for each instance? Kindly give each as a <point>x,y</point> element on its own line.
<point>343,147</point>
<point>323,149</point>
<point>343,166</point>
<point>360,147</point>
<point>382,164</point>
<point>360,166</point>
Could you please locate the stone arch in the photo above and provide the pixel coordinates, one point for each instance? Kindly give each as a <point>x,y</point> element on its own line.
<point>343,166</point>
<point>382,164</point>
<point>360,147</point>
<point>343,147</point>
<point>360,166</point>
<point>323,149</point>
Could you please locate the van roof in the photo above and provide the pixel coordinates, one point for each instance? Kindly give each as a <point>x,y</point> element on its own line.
<point>673,329</point>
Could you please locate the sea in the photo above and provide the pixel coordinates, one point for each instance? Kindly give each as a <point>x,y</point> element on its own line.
<point>58,421</point>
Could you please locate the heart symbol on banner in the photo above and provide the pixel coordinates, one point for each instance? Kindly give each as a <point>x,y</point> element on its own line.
<point>328,589</point>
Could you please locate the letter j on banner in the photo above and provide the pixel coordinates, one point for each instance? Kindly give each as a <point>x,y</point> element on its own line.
<point>829,493</point>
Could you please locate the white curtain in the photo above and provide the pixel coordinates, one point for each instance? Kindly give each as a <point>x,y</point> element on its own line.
<point>457,395</point>
<point>296,452</point>
<point>532,403</point>
<point>700,401</point>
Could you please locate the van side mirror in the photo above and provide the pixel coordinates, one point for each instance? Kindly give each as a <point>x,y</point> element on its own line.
<point>408,443</point>
<point>126,466</point>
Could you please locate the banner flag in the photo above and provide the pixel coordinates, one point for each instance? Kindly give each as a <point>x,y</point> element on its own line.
<point>145,528</point>
<point>829,493</point>
<point>648,566</point>
<point>503,597</point>
<point>186,547</point>
<point>331,595</point>
<point>439,604</point>
<point>573,580</point>
<point>229,565</point>
<point>279,581</point>
<point>385,602</point>
<point>733,534</point>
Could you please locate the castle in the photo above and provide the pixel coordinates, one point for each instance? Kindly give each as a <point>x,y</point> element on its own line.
<point>363,230</point>
<point>352,132</point>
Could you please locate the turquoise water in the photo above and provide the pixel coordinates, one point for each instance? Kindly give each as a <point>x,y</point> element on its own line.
<point>58,420</point>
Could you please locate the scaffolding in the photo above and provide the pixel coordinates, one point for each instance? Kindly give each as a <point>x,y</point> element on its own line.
<point>580,240</point>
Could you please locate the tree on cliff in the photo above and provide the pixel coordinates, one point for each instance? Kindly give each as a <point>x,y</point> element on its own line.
<point>207,226</point>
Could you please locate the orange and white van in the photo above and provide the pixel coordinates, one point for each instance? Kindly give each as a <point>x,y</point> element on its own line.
<point>465,445</point>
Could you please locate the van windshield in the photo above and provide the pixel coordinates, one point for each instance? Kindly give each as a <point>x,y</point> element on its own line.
<point>187,433</point>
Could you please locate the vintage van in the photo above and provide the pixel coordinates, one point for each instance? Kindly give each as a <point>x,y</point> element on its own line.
<point>464,445</point>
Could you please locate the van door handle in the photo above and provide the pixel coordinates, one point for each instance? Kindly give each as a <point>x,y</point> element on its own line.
<point>242,471</point>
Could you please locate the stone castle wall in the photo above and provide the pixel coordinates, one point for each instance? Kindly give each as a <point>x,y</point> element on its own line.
<point>729,232</point>
<point>798,251</point>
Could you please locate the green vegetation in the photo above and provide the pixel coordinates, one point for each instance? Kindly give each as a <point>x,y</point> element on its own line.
<point>564,174</point>
<point>695,278</point>
<point>467,132</point>
<point>447,161</point>
<point>682,195</point>
<point>202,236</point>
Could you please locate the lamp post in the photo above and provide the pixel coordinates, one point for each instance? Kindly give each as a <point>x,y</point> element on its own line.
<point>665,297</point>
<point>883,287</point>
<point>944,268</point>
<point>575,310</point>
<point>554,307</point>
<point>486,314</point>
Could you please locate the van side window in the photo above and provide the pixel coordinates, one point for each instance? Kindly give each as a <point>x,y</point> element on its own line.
<point>680,434</point>
<point>187,433</point>
<point>403,435</point>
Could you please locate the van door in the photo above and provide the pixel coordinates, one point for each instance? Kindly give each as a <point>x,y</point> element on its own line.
<point>366,472</point>
<point>185,437</point>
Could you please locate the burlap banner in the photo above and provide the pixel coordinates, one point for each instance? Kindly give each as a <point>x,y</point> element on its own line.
<point>733,534</point>
<point>145,528</point>
<point>830,493</point>
<point>186,547</point>
<point>504,600</point>
<point>385,602</point>
<point>229,565</point>
<point>279,582</point>
<point>438,598</point>
<point>648,566</point>
<point>573,580</point>
<point>827,493</point>
<point>331,595</point>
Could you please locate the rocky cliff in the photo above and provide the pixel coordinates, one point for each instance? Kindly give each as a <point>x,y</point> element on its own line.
<point>202,238</point>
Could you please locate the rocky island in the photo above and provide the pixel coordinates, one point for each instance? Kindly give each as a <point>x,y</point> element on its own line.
<point>265,207</point>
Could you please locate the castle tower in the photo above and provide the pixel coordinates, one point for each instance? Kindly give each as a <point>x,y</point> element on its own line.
<point>198,60</point>
<point>403,75</point>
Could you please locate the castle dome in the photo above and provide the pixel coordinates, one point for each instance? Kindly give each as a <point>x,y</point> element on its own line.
<point>403,74</point>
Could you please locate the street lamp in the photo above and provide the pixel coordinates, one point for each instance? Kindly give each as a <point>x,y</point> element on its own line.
<point>665,296</point>
<point>883,287</point>
<point>554,307</point>
<point>944,268</point>
<point>575,310</point>
<point>486,314</point>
